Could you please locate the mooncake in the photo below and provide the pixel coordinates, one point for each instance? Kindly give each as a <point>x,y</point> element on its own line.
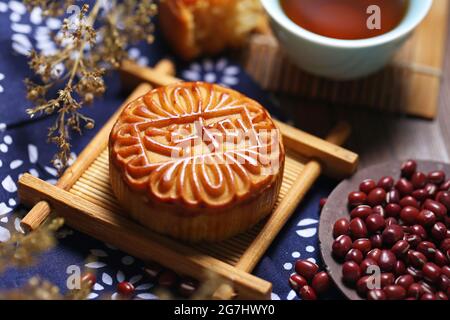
<point>196,161</point>
<point>196,27</point>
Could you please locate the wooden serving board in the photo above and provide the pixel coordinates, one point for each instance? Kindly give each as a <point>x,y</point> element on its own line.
<point>85,199</point>
<point>409,85</point>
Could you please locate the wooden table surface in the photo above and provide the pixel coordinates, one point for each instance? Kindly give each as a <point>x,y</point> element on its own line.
<point>377,136</point>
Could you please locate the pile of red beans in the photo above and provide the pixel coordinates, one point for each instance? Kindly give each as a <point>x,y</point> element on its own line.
<point>308,281</point>
<point>401,227</point>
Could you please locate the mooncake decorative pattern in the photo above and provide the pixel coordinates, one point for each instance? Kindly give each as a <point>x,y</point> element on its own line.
<point>196,144</point>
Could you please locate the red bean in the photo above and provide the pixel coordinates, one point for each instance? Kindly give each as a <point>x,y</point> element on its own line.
<point>125,288</point>
<point>431,272</point>
<point>444,282</point>
<point>419,180</point>
<point>351,272</point>
<point>392,234</point>
<point>375,222</point>
<point>376,197</point>
<point>408,168</point>
<point>354,255</point>
<point>376,295</point>
<point>386,183</point>
<point>405,281</point>
<point>362,212</point>
<point>404,187</point>
<point>321,282</point>
<point>357,228</point>
<point>356,198</point>
<point>367,185</point>
<point>341,227</point>
<point>444,198</point>
<point>387,260</point>
<point>440,259</point>
<point>362,244</point>
<point>392,196</point>
<point>394,292</point>
<point>427,248</point>
<point>430,190</point>
<point>378,210</point>
<point>409,201</point>
<point>436,177</point>
<point>445,245</point>
<point>419,194</point>
<point>426,218</point>
<point>362,285</point>
<point>445,186</point>
<point>296,281</point>
<point>446,271</point>
<point>341,246</point>
<point>308,293</point>
<point>376,240</point>
<point>413,240</point>
<point>439,231</point>
<point>374,254</point>
<point>392,210</point>
<point>438,208</point>
<point>441,296</point>
<point>415,290</point>
<point>386,279</point>
<point>428,296</point>
<point>366,263</point>
<point>391,221</point>
<point>419,230</point>
<point>409,215</point>
<point>400,248</point>
<point>416,259</point>
<point>400,268</point>
<point>306,269</point>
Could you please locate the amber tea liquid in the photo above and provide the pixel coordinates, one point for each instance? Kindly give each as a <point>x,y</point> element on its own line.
<point>344,19</point>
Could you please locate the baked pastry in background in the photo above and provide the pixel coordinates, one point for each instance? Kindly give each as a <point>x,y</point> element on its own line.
<point>196,161</point>
<point>196,27</point>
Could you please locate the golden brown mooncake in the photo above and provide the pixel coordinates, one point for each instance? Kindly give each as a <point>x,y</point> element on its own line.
<point>196,27</point>
<point>196,161</point>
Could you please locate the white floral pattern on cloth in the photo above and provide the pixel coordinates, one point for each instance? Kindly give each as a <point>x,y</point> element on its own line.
<point>106,284</point>
<point>15,168</point>
<point>221,72</point>
<point>2,77</point>
<point>28,27</point>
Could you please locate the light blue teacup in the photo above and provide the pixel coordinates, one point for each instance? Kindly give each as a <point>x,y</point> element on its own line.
<point>342,59</point>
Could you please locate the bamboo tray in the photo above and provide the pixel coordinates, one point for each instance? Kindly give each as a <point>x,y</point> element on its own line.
<point>84,198</point>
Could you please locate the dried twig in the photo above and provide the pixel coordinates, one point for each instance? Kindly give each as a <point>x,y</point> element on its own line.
<point>87,47</point>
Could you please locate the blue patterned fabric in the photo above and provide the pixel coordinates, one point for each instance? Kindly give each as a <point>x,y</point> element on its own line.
<point>23,149</point>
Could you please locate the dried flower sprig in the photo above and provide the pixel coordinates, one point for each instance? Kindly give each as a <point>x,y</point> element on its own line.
<point>40,289</point>
<point>87,47</point>
<point>21,249</point>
